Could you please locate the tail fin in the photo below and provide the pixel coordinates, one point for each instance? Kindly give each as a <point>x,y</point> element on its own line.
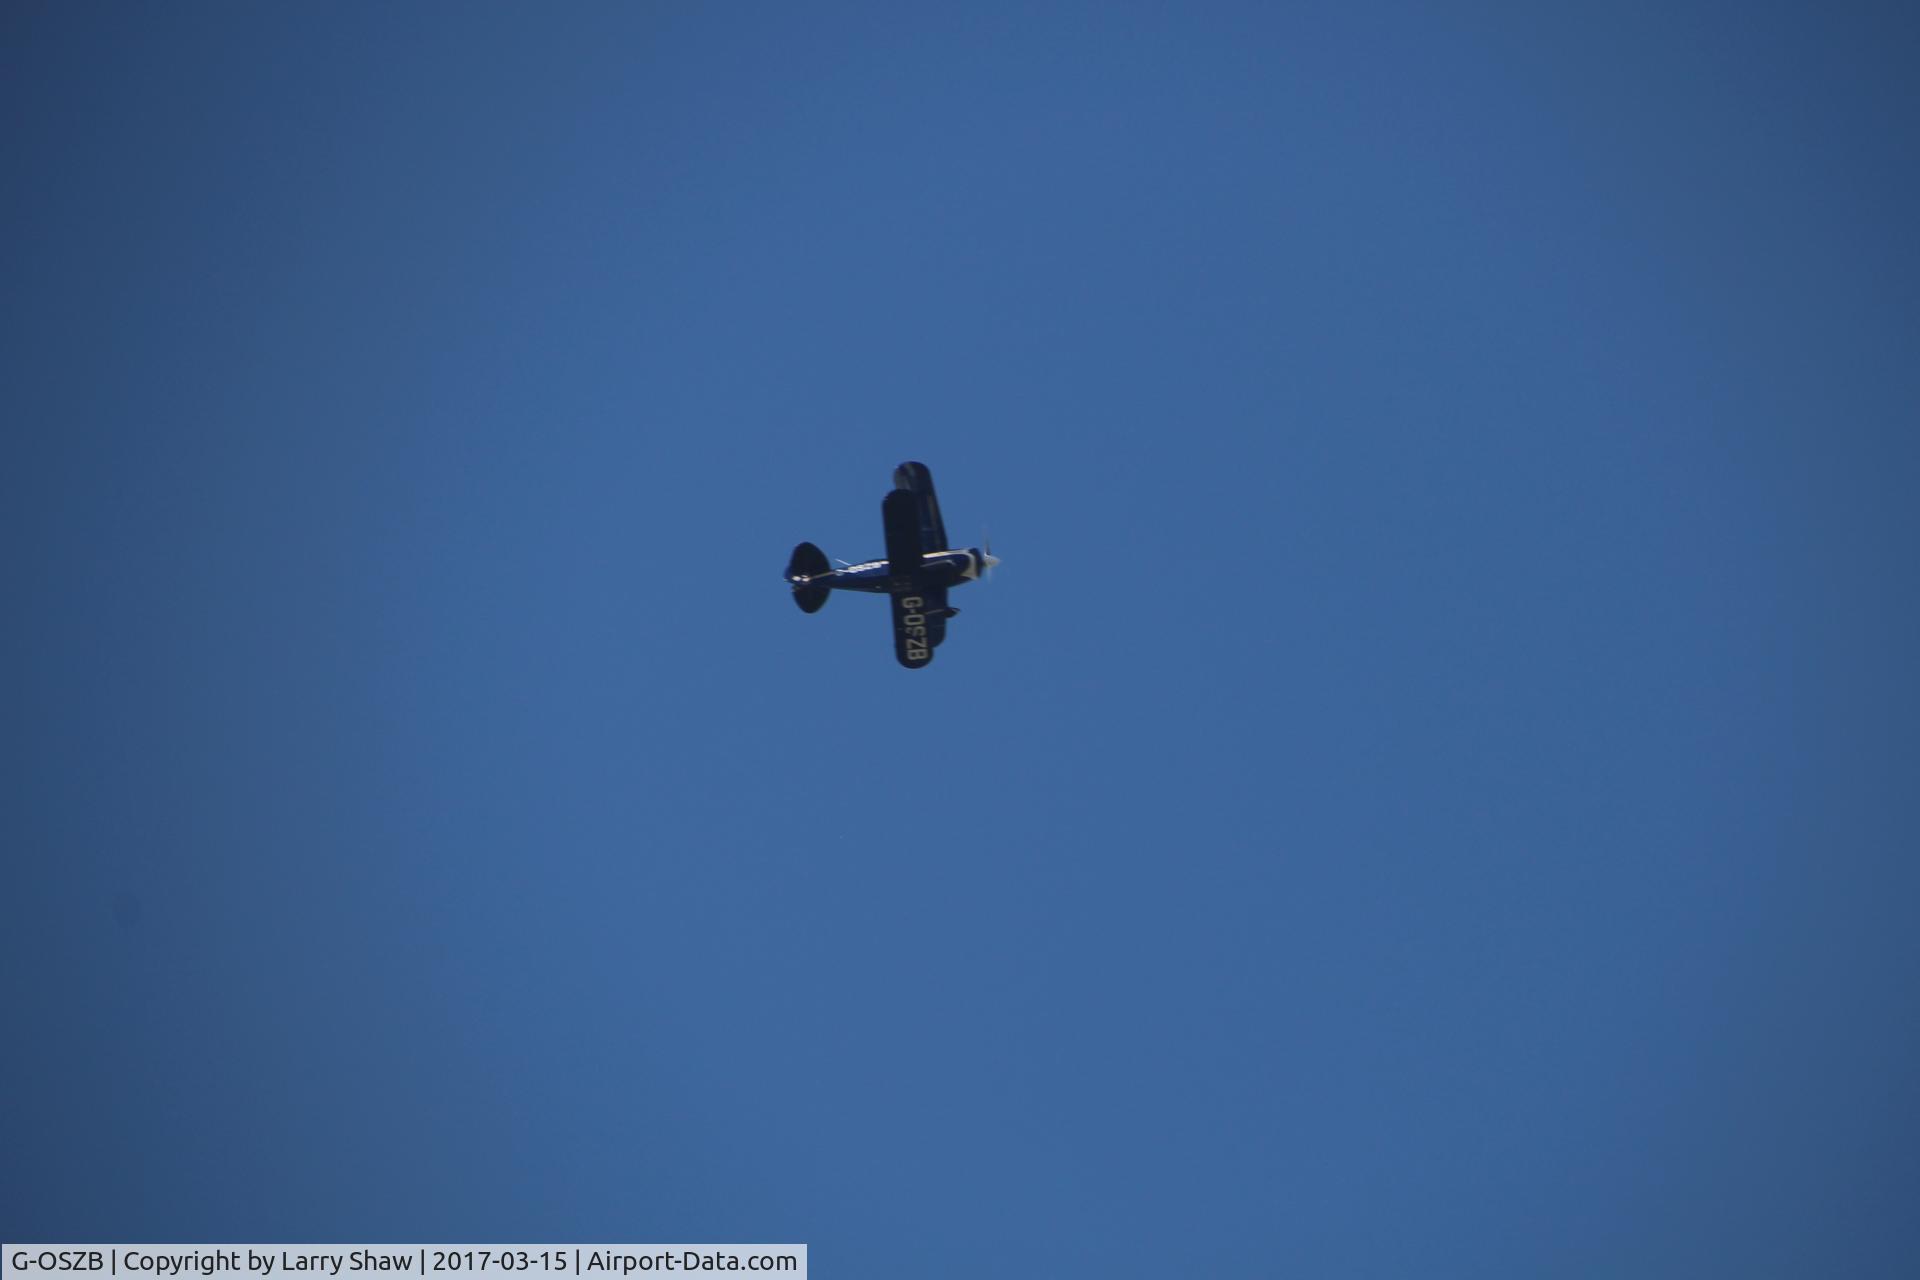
<point>809,561</point>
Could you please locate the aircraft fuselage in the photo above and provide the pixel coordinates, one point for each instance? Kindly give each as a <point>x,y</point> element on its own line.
<point>937,569</point>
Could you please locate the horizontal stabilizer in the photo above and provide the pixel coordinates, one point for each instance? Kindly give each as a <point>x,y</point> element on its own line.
<point>807,561</point>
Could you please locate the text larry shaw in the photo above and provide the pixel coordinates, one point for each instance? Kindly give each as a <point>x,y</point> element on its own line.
<point>329,1264</point>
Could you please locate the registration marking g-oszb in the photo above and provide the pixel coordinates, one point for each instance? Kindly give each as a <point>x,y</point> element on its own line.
<point>914,627</point>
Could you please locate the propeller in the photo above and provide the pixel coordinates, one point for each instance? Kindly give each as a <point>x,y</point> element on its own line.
<point>988,559</point>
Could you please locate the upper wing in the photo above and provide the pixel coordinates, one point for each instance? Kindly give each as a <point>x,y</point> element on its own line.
<point>911,514</point>
<point>916,616</point>
<point>900,514</point>
<point>914,478</point>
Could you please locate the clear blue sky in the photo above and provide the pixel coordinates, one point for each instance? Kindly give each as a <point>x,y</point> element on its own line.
<point>1431,791</point>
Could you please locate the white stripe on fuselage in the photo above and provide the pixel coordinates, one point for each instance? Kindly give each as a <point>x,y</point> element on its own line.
<point>972,569</point>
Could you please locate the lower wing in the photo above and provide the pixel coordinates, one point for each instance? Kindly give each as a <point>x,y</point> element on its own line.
<point>919,624</point>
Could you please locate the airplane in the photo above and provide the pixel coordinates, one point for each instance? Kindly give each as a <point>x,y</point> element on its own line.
<point>917,573</point>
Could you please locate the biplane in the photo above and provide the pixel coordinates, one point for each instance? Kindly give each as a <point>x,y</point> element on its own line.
<point>919,570</point>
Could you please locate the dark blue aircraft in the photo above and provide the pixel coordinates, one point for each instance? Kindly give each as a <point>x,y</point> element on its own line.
<point>918,570</point>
